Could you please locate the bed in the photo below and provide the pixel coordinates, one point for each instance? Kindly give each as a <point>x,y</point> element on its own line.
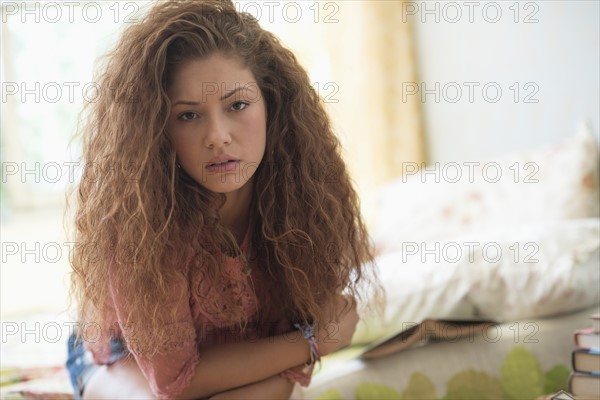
<point>523,251</point>
<point>517,360</point>
<point>520,246</point>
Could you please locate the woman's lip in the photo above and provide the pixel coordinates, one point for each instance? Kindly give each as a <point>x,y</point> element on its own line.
<point>229,166</point>
<point>221,158</point>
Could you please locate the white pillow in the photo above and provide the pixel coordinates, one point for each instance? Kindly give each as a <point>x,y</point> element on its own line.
<point>553,182</point>
<point>512,272</point>
<point>413,291</point>
<point>544,269</point>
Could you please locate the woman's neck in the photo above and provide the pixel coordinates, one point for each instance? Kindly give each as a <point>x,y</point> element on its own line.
<point>235,213</point>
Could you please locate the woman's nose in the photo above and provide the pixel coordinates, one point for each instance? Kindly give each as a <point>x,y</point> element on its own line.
<point>218,133</point>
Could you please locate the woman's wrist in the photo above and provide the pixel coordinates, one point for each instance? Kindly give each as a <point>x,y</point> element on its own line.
<point>308,333</point>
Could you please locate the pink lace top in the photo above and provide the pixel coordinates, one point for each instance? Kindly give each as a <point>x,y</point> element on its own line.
<point>199,323</point>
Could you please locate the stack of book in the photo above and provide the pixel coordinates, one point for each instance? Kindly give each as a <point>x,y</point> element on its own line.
<point>585,379</point>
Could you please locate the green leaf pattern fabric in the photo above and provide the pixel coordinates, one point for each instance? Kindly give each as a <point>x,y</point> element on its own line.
<point>520,377</point>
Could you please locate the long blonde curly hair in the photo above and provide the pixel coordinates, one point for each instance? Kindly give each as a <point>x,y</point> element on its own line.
<point>142,215</point>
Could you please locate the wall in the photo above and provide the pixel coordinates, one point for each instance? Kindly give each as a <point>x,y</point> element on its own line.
<point>546,52</point>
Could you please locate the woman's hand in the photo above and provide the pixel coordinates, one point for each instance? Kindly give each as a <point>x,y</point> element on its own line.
<point>338,333</point>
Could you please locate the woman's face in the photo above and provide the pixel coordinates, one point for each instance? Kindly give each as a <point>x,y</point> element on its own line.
<point>218,122</point>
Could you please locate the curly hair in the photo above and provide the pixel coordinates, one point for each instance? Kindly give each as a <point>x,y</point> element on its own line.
<point>141,218</point>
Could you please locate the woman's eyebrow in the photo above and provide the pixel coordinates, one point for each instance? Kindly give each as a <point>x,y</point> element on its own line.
<point>186,102</point>
<point>237,89</point>
<point>224,97</point>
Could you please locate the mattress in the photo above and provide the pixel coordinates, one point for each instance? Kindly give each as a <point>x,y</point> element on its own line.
<point>523,359</point>
<point>516,360</point>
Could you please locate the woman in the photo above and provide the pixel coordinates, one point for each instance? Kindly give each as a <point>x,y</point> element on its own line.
<point>231,262</point>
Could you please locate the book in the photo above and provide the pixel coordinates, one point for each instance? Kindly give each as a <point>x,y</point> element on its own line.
<point>596,323</point>
<point>587,339</point>
<point>584,385</point>
<point>586,360</point>
<point>418,334</point>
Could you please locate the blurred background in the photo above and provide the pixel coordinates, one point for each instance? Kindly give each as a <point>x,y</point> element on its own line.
<point>406,83</point>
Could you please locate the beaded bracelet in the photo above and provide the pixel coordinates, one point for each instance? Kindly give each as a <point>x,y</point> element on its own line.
<point>308,331</point>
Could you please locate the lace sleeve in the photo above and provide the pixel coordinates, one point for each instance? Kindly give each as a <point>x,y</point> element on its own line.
<point>167,357</point>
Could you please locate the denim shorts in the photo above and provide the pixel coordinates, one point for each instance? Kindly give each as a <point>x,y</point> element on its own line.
<point>80,363</point>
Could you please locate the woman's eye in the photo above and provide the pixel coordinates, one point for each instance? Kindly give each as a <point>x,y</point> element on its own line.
<point>239,106</point>
<point>186,116</point>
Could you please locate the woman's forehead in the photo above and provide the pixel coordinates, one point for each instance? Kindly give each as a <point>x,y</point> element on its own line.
<point>216,74</point>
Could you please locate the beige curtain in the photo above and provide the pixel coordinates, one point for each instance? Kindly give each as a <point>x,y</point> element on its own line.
<point>359,53</point>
